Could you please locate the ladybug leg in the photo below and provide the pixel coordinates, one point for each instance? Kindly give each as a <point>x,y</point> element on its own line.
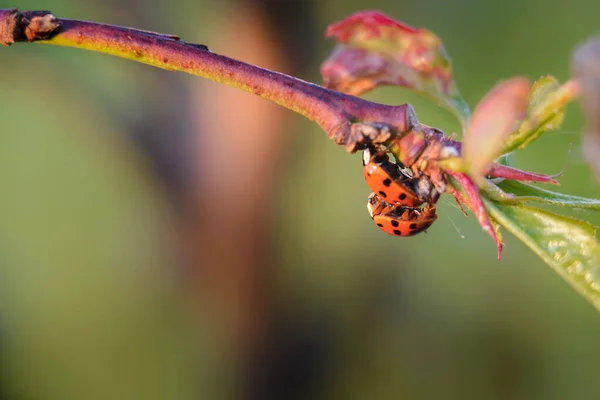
<point>460,200</point>
<point>381,152</point>
<point>475,203</point>
<point>424,213</point>
<point>461,207</point>
<point>403,209</point>
<point>391,208</point>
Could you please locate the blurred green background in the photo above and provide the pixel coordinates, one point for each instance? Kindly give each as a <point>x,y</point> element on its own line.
<point>159,242</point>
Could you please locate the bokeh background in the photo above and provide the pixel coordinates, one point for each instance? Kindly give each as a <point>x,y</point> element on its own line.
<point>164,237</point>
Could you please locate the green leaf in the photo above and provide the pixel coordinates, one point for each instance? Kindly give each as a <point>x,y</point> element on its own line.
<point>375,50</point>
<point>567,245</point>
<point>545,111</point>
<point>526,192</point>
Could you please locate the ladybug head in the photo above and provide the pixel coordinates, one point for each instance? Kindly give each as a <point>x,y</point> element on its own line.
<point>366,157</point>
<point>371,206</point>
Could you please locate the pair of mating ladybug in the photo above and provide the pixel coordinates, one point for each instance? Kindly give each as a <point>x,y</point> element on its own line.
<point>395,204</point>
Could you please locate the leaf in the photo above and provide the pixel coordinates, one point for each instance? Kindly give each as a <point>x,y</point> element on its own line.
<point>493,120</point>
<point>506,172</point>
<point>526,192</point>
<point>545,111</point>
<point>566,244</point>
<point>376,50</point>
<point>586,68</point>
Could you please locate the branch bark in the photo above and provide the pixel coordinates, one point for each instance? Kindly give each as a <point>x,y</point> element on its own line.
<point>348,120</point>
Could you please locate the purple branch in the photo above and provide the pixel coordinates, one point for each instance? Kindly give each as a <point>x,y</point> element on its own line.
<point>348,120</point>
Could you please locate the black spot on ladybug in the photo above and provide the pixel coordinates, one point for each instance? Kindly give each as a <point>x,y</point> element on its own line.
<point>380,225</point>
<point>397,232</point>
<point>382,194</point>
<point>402,196</point>
<point>413,226</point>
<point>395,223</point>
<point>387,182</point>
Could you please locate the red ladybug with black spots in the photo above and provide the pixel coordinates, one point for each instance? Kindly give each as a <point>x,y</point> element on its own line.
<point>398,220</point>
<point>385,178</point>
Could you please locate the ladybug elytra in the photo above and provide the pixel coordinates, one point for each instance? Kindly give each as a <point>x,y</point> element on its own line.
<point>386,179</point>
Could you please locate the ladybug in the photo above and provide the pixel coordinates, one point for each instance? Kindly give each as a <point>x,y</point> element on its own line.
<point>398,220</point>
<point>386,179</point>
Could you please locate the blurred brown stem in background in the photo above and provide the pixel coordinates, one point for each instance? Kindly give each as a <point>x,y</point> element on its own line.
<point>234,179</point>
<point>236,175</point>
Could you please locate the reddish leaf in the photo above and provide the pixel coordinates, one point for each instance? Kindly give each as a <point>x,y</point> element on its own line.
<point>506,172</point>
<point>376,50</point>
<point>356,71</point>
<point>493,120</point>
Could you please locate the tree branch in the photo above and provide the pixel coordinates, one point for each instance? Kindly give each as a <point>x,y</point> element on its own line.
<point>348,120</point>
